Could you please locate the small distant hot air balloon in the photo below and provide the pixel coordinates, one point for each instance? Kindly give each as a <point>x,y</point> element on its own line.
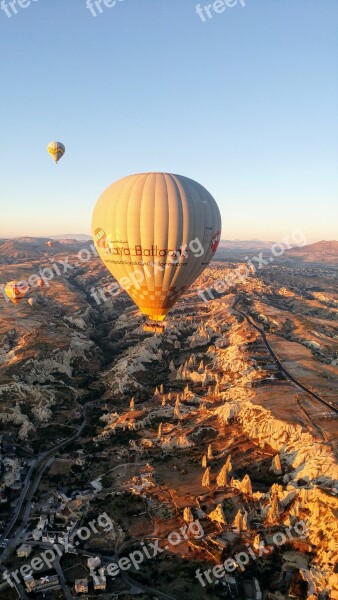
<point>156,233</point>
<point>31,301</point>
<point>56,150</point>
<point>41,283</point>
<point>16,291</point>
<point>49,244</point>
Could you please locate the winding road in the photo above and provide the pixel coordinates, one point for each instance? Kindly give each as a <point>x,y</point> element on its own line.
<point>279,364</point>
<point>40,464</point>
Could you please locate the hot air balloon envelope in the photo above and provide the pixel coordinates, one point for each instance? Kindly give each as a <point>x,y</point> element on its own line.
<point>56,150</point>
<point>156,233</point>
<point>16,291</point>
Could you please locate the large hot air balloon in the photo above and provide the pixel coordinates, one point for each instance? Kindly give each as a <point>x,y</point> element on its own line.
<point>56,150</point>
<point>156,233</point>
<point>16,291</point>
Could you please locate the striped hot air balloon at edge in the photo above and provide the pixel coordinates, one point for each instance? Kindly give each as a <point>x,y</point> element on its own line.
<point>16,291</point>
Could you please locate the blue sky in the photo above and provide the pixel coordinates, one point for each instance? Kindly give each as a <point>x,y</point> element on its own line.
<point>245,103</point>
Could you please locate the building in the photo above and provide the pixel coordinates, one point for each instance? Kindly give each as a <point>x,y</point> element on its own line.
<point>42,522</point>
<point>93,562</point>
<point>100,582</point>
<point>81,586</point>
<point>63,538</point>
<point>72,525</point>
<point>48,583</point>
<point>97,485</point>
<point>230,584</point>
<point>24,551</point>
<point>36,535</point>
<point>30,582</point>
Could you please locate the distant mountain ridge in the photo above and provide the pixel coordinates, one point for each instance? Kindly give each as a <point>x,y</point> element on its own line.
<point>29,248</point>
<point>324,252</point>
<point>72,236</point>
<point>25,249</point>
<point>322,247</point>
<point>321,253</point>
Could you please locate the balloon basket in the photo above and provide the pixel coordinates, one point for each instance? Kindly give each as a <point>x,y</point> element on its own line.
<point>154,327</point>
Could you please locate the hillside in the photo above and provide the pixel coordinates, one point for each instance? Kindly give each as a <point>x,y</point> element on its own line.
<point>28,249</point>
<point>319,252</point>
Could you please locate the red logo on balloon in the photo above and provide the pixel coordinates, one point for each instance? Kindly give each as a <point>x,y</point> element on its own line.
<point>100,237</point>
<point>215,241</point>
